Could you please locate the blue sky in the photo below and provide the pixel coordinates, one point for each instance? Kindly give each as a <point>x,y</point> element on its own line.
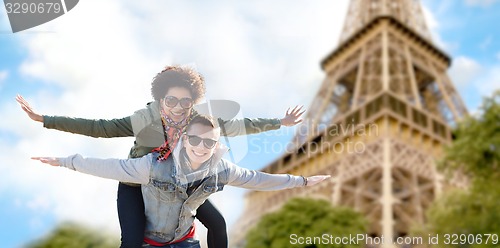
<point>97,61</point>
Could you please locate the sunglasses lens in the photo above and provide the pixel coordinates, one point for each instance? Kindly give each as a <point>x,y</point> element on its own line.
<point>186,103</point>
<point>208,143</point>
<point>194,140</point>
<point>171,101</point>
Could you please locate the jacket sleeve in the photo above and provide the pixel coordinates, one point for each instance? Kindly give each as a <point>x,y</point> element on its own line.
<point>257,180</point>
<point>135,170</point>
<point>248,126</point>
<point>97,128</point>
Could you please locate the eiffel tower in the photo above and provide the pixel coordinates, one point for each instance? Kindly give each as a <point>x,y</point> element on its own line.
<point>377,124</point>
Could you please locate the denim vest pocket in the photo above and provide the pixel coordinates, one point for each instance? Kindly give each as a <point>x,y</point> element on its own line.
<point>165,191</point>
<point>212,188</point>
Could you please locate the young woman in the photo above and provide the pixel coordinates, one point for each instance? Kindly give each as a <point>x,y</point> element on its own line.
<point>174,188</point>
<point>175,91</point>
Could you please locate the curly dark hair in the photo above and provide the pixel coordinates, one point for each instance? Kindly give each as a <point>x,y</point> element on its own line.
<point>177,76</point>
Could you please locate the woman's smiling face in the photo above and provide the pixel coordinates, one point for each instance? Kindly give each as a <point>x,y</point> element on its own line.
<point>180,96</point>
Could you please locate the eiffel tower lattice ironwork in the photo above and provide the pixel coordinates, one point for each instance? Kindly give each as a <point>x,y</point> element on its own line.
<point>377,124</point>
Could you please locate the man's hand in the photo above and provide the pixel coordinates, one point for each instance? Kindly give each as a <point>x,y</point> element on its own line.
<point>313,180</point>
<point>48,160</point>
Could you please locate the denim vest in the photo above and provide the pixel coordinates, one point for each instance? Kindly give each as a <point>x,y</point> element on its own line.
<point>170,211</point>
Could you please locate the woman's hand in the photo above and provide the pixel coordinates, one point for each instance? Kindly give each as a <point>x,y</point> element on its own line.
<point>292,117</point>
<point>48,160</point>
<point>313,180</point>
<point>27,108</point>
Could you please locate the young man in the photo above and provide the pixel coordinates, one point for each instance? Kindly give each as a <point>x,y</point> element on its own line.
<point>174,188</point>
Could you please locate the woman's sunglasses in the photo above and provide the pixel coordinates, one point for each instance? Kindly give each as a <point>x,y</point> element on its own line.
<point>172,101</point>
<point>195,140</point>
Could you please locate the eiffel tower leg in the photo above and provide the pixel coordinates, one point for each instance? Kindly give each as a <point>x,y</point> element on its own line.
<point>387,199</point>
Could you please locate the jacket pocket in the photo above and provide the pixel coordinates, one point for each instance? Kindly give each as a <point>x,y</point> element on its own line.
<point>165,191</point>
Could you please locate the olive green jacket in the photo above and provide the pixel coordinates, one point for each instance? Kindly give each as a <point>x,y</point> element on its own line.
<point>145,125</point>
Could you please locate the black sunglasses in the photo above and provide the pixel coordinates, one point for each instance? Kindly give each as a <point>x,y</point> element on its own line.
<point>195,140</point>
<point>172,101</point>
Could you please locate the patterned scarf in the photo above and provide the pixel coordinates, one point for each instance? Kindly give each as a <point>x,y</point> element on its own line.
<point>172,132</point>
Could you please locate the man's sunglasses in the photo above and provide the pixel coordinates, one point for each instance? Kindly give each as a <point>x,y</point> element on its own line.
<point>195,140</point>
<point>172,101</point>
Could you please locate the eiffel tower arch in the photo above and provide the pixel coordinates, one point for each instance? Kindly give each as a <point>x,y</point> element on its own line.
<point>377,124</point>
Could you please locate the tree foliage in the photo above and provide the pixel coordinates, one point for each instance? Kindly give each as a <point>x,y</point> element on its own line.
<point>72,235</point>
<point>476,149</point>
<point>305,218</point>
<point>476,152</point>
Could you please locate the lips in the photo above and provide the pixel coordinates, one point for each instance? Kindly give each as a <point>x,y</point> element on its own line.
<point>199,154</point>
<point>177,114</point>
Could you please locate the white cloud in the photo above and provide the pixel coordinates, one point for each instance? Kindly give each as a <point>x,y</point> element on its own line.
<point>483,3</point>
<point>103,55</point>
<point>434,26</point>
<point>39,203</point>
<point>4,22</point>
<point>485,44</point>
<point>55,191</point>
<point>3,76</point>
<point>474,79</point>
<point>491,81</point>
<point>464,71</point>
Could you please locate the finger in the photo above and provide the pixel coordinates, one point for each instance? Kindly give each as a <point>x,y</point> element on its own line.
<point>318,179</point>
<point>20,99</point>
<point>43,160</point>
<point>294,111</point>
<point>322,178</point>
<point>25,103</point>
<point>287,111</point>
<point>26,107</point>
<point>47,161</point>
<point>297,122</point>
<point>301,113</point>
<point>27,110</point>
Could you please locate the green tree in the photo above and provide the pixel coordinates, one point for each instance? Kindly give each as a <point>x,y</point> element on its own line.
<point>72,235</point>
<point>475,211</point>
<point>306,218</point>
<point>476,149</point>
